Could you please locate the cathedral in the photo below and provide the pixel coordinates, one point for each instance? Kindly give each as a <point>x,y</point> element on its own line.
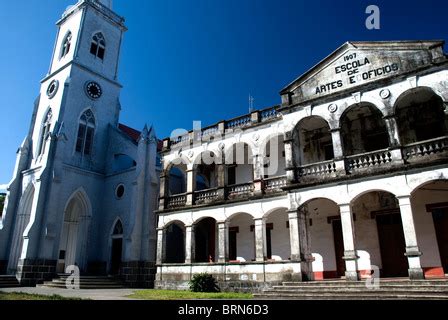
<point>345,177</point>
<point>85,186</point>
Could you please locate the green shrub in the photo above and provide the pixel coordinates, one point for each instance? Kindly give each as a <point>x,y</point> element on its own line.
<point>204,282</point>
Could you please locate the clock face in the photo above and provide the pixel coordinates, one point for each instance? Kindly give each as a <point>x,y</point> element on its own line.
<point>52,88</point>
<point>93,90</point>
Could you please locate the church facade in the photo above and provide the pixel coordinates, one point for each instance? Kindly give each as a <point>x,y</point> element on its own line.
<point>85,186</point>
<point>346,177</point>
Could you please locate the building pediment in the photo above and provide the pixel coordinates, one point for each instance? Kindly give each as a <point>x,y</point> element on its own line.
<point>359,63</point>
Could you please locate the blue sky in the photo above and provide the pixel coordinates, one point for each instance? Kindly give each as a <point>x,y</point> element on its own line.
<point>186,60</point>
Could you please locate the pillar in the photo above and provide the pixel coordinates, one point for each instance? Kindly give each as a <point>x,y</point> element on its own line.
<point>338,149</point>
<point>412,251</point>
<point>189,244</point>
<point>223,242</point>
<point>191,185</point>
<point>260,239</point>
<point>258,175</point>
<point>348,233</point>
<point>163,191</point>
<point>289,157</point>
<point>392,130</point>
<point>300,243</point>
<point>161,245</point>
<point>221,171</point>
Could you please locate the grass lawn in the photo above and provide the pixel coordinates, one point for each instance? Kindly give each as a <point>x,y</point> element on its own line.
<point>26,296</point>
<point>186,295</point>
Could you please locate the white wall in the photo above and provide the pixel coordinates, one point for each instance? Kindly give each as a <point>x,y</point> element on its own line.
<point>280,240</point>
<point>245,239</point>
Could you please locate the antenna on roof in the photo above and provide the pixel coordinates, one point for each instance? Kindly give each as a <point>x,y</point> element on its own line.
<point>251,103</point>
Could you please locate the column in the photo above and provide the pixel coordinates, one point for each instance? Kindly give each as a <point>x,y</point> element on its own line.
<point>221,171</point>
<point>189,244</point>
<point>161,246</point>
<point>223,242</point>
<point>191,185</point>
<point>338,151</point>
<point>410,236</point>
<point>392,130</point>
<point>348,233</point>
<point>289,157</point>
<point>163,192</point>
<point>258,175</point>
<point>260,239</point>
<point>300,243</point>
<point>394,139</point>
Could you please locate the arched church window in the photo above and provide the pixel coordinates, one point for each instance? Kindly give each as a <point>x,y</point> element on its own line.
<point>66,44</point>
<point>86,131</point>
<point>45,132</point>
<point>118,229</point>
<point>98,45</point>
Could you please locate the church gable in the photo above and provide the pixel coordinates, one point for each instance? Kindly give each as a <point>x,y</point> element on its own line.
<point>359,63</point>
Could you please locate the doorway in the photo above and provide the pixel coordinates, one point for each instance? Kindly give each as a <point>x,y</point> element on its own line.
<point>392,245</point>
<point>440,217</point>
<point>338,247</point>
<point>117,248</point>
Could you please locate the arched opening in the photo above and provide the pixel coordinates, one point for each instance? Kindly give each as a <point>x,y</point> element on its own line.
<point>241,238</point>
<point>278,246</point>
<point>312,141</point>
<point>175,243</point>
<point>430,211</point>
<point>98,46</point>
<point>177,179</point>
<point>66,44</point>
<point>274,157</point>
<point>378,223</point>
<point>363,129</point>
<point>326,238</point>
<point>205,240</point>
<point>22,221</point>
<point>239,164</point>
<point>117,248</point>
<point>73,242</point>
<point>420,116</point>
<point>206,173</point>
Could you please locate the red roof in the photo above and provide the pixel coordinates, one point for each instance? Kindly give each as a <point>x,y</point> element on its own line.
<point>135,135</point>
<point>131,133</point>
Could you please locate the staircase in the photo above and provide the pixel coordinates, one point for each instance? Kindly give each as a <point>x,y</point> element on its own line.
<point>390,289</point>
<point>9,282</point>
<point>85,282</point>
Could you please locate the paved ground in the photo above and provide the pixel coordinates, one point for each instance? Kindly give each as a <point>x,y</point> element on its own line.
<point>100,294</point>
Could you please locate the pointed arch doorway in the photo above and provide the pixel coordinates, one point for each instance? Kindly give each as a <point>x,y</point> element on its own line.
<point>73,243</point>
<point>117,248</point>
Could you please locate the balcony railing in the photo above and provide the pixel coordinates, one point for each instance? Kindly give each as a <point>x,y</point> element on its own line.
<point>416,151</point>
<point>268,114</point>
<point>206,196</point>
<point>177,201</point>
<point>369,160</point>
<point>275,184</point>
<point>317,170</point>
<point>240,190</point>
<point>240,122</point>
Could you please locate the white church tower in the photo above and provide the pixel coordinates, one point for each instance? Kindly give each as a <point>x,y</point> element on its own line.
<point>84,186</point>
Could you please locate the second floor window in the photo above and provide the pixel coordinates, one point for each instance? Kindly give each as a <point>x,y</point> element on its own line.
<point>86,131</point>
<point>66,44</point>
<point>98,46</point>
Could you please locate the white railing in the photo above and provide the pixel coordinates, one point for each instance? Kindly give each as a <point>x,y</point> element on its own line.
<point>268,114</point>
<point>240,190</point>
<point>324,168</point>
<point>368,160</point>
<point>239,122</point>
<point>177,201</point>
<point>425,148</point>
<point>180,140</point>
<point>275,184</point>
<point>205,196</point>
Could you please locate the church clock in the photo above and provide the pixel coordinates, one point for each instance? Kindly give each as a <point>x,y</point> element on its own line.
<point>93,90</point>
